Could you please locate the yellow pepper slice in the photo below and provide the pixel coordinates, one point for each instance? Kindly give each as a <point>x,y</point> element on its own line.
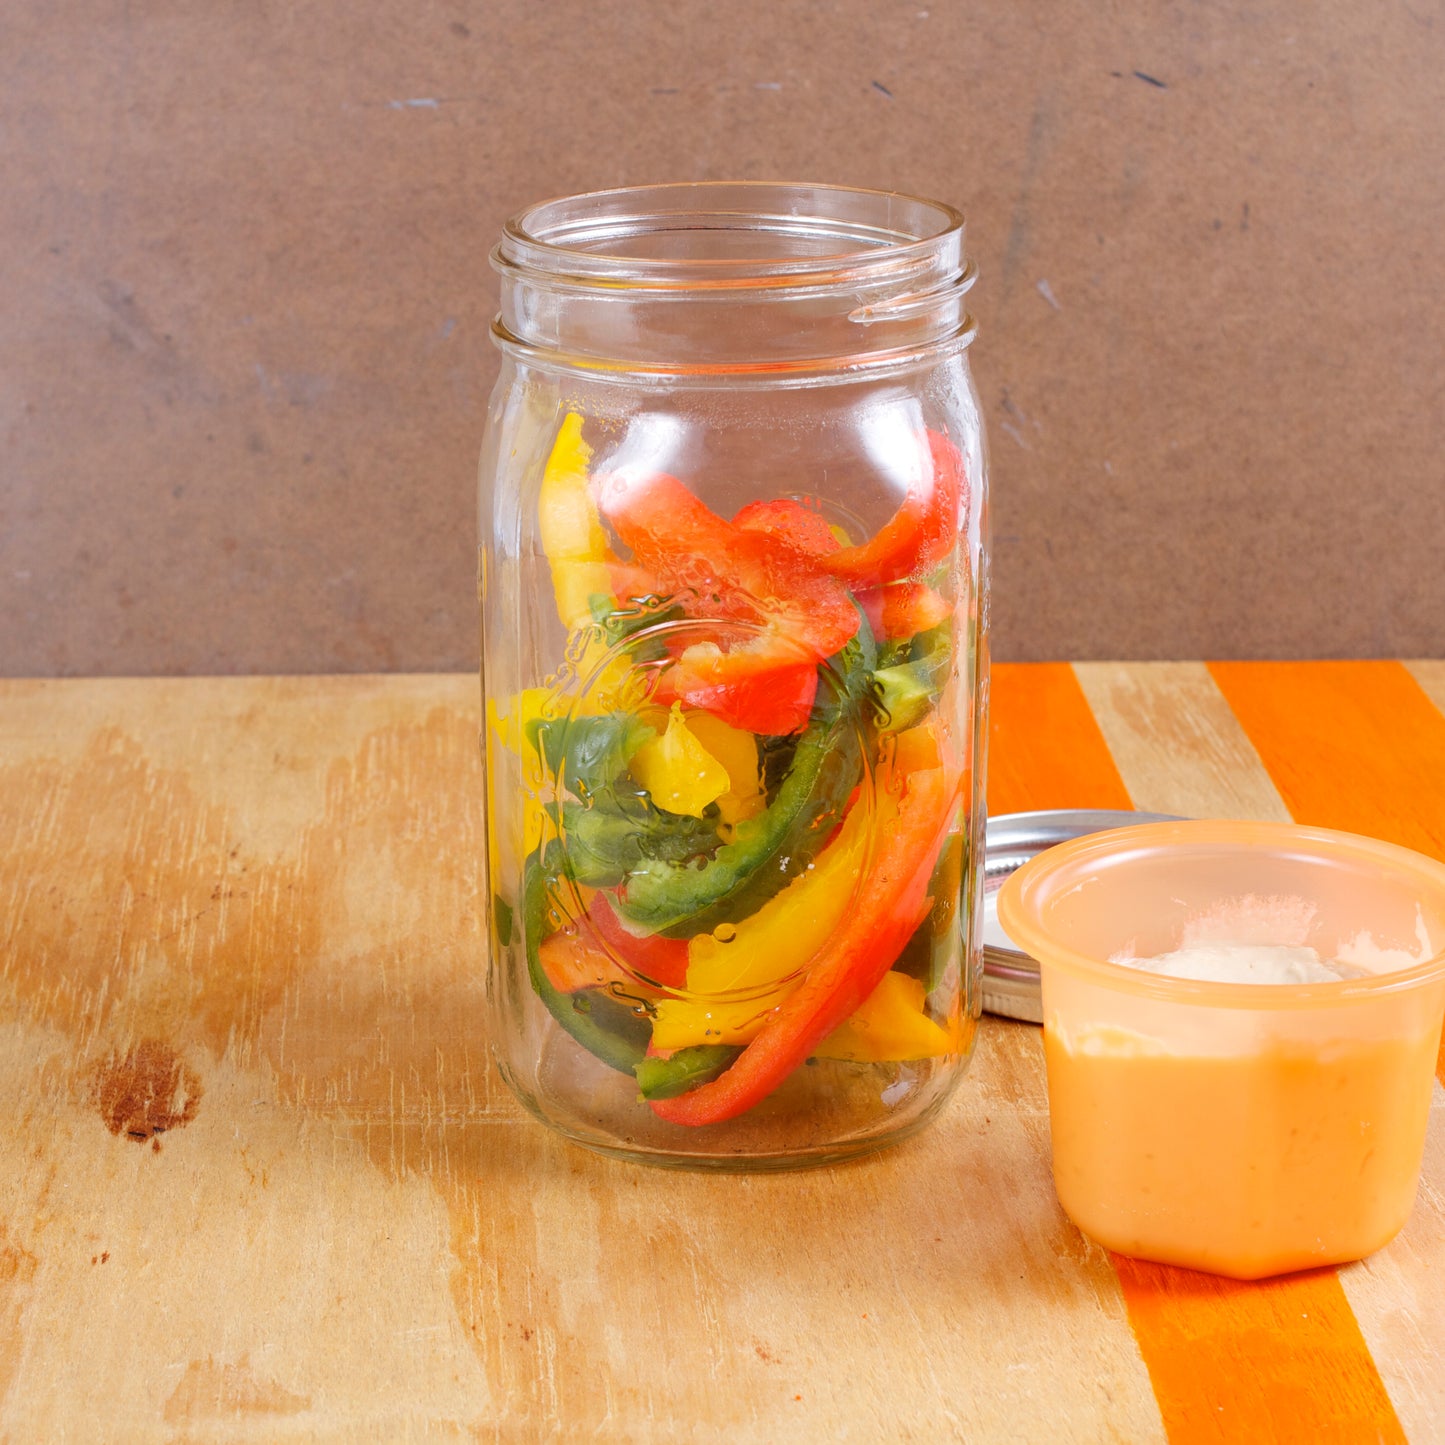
<point>771,946</point>
<point>737,751</point>
<point>917,748</point>
<point>509,731</point>
<point>679,772</point>
<point>888,1026</point>
<point>570,527</point>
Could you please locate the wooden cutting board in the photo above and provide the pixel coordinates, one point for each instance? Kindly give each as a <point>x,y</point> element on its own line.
<point>260,1182</point>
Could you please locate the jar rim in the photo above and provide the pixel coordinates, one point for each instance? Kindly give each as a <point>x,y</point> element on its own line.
<point>783,234</point>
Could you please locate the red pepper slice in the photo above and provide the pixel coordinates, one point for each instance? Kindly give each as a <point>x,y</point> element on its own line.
<point>663,960</point>
<point>796,524</point>
<point>752,688</point>
<point>797,613</point>
<point>903,609</point>
<point>890,905</point>
<point>631,583</point>
<point>572,960</point>
<point>894,611</point>
<point>578,956</point>
<point>920,534</point>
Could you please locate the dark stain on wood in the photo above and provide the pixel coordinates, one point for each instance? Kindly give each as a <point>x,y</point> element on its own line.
<point>17,1265</point>
<point>146,1091</point>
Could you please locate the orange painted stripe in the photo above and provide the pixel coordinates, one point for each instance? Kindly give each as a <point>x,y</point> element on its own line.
<point>1045,749</point>
<point>1282,1361</point>
<point>1351,745</point>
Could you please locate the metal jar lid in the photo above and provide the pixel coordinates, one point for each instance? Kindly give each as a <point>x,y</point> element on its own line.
<point>1010,976</point>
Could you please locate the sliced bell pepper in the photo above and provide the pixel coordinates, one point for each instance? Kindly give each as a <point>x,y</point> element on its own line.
<point>799,526</point>
<point>737,750</point>
<point>793,613</point>
<point>920,534</point>
<point>907,690</point>
<point>903,609</point>
<point>916,749</point>
<point>889,1026</point>
<point>753,687</point>
<point>895,611</point>
<point>890,904</point>
<point>525,832</point>
<point>660,1076</point>
<point>606,1027</point>
<point>762,955</point>
<point>731,971</point>
<point>572,961</point>
<point>764,852</point>
<point>610,828</point>
<point>597,951</point>
<point>661,960</point>
<point>570,529</point>
<point>678,771</point>
<point>612,684</point>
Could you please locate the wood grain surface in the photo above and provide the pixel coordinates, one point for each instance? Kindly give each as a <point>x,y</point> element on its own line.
<point>261,1181</point>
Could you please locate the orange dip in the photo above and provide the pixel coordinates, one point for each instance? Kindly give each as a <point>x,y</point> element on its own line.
<point>1288,1156</point>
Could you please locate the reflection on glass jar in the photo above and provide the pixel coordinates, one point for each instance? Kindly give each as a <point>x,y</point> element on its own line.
<point>734,670</point>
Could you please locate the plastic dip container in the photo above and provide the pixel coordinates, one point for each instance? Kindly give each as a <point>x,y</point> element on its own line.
<point>1248,1129</point>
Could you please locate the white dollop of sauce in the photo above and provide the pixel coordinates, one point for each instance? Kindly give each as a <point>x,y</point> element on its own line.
<point>1242,963</point>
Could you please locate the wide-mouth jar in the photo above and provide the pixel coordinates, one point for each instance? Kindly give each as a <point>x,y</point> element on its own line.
<point>734,597</point>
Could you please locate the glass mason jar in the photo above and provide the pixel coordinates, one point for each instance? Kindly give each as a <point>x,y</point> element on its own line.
<point>734,670</point>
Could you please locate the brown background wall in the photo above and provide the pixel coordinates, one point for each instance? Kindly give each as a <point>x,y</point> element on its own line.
<point>243,336</point>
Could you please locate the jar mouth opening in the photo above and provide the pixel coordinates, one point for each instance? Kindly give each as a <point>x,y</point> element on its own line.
<point>727,235</point>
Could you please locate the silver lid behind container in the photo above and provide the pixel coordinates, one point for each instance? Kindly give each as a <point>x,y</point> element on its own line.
<point>1010,976</point>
